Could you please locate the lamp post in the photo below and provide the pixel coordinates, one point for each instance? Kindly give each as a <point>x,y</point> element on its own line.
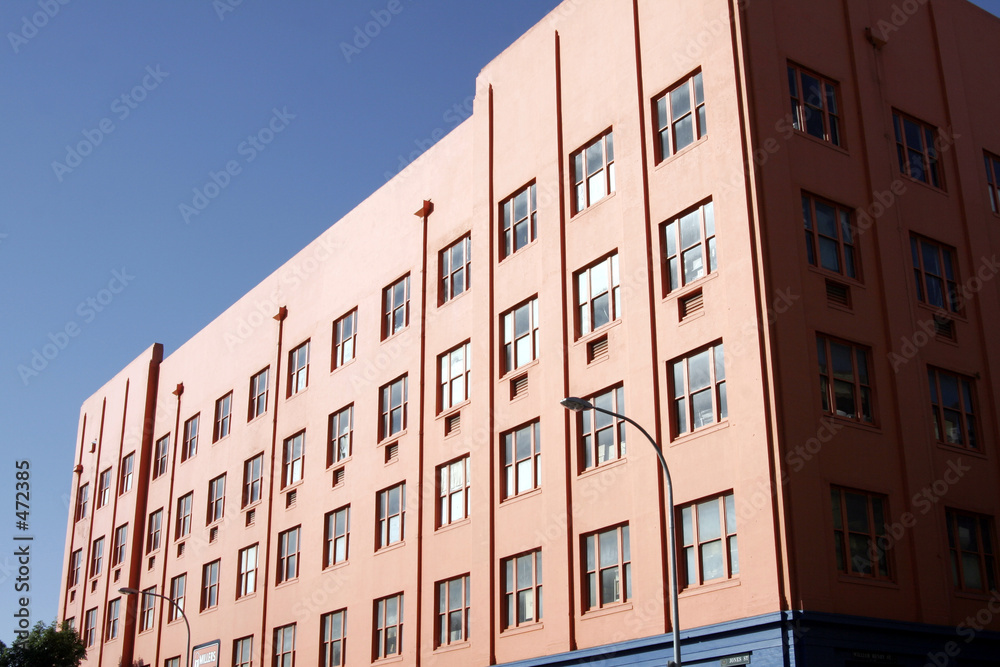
<point>579,405</point>
<point>135,591</point>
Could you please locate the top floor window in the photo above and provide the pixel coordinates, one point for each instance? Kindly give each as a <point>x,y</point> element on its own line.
<point>160,456</point>
<point>520,220</point>
<point>190,447</point>
<point>396,307</point>
<point>915,149</point>
<point>223,417</point>
<point>814,105</point>
<point>258,395</point>
<point>456,262</point>
<point>298,369</point>
<point>103,488</point>
<point>82,498</point>
<point>126,473</point>
<point>345,334</point>
<point>593,172</point>
<point>680,116</point>
<point>829,238</point>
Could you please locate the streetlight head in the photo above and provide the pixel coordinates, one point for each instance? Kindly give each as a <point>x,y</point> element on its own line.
<point>128,591</point>
<point>576,404</point>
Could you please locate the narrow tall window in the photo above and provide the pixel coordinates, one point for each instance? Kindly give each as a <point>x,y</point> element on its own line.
<point>593,172</point>
<point>936,273</point>
<point>292,459</point>
<point>153,531</point>
<point>243,652</point>
<point>332,642</point>
<point>284,646</point>
<point>689,246</point>
<point>97,557</point>
<point>336,535</point>
<point>453,491</point>
<point>522,587</point>
<point>522,459</point>
<point>915,149</point>
<point>844,381</point>
<point>972,550</point>
<point>147,612</point>
<point>216,499</point>
<point>699,389</point>
<point>708,540</point>
<point>160,456</point>
<point>520,220</point>
<point>345,333</point>
<point>392,408</point>
<point>454,366</point>
<point>396,307</point>
<point>75,561</point>
<point>388,637</point>
<point>598,295</point>
<point>607,568</point>
<point>246,579</point>
<point>298,369</point>
<point>126,473</point>
<point>341,435</point>
<point>859,522</point>
<point>111,621</point>
<point>178,591</point>
<point>82,498</point>
<point>953,406</point>
<point>815,108</point>
<point>90,627</point>
<point>183,526</point>
<point>680,116</point>
<point>103,488</point>
<point>210,585</point>
<point>390,511</point>
<point>520,335</point>
<point>223,417</point>
<point>253,471</point>
<point>456,276</point>
<point>602,437</point>
<point>288,554</point>
<point>993,180</point>
<point>190,447</point>
<point>118,548</point>
<point>258,394</point>
<point>453,604</point>
<point>829,238</point>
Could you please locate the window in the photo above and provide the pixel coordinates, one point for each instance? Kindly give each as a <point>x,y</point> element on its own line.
<point>520,220</point>
<point>160,456</point>
<point>392,406</point>
<point>593,169</point>
<point>993,180</point>
<point>126,473</point>
<point>172,662</point>
<point>680,116</point>
<point>223,414</point>
<point>454,369</point>
<point>147,612</point>
<point>815,110</point>
<point>456,261</point>
<point>915,149</point>
<point>82,498</point>
<point>190,447</point>
<point>97,557</point>
<point>216,499</point>
<point>602,437</point>
<point>103,489</point>
<point>829,239</point>
<point>345,334</point>
<point>111,621</point>
<point>246,581</point>
<point>391,507</point>
<point>598,295</point>
<point>708,540</point>
<point>607,568</point>
<point>284,646</point>
<point>178,587</point>
<point>522,459</point>
<point>859,520</point>
<point>183,526</point>
<point>520,335</point>
<point>388,627</point>
<point>333,644</point>
<point>90,627</point>
<point>210,585</point>
<point>452,619</point>
<point>522,586</point>
<point>689,246</point>
<point>453,491</point>
<point>953,408</point>
<point>396,307</point>
<point>75,559</point>
<point>341,435</point>
<point>253,471</point>
<point>298,369</point>
<point>288,554</point>
<point>258,395</point>
<point>118,549</point>
<point>699,389</point>
<point>243,652</point>
<point>936,273</point>
<point>292,459</point>
<point>338,529</point>
<point>970,543</point>
<point>845,386</point>
<point>153,531</point>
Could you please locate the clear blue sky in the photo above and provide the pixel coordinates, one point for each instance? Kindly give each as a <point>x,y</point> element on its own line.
<point>207,82</point>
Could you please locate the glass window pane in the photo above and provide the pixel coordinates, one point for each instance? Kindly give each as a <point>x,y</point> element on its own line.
<point>709,527</point>
<point>680,100</point>
<point>699,370</point>
<point>712,566</point>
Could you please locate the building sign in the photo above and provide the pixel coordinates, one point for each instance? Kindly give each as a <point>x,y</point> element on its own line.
<point>741,659</point>
<point>874,657</point>
<point>206,655</point>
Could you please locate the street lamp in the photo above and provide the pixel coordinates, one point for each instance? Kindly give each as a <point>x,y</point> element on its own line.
<point>579,405</point>
<point>135,591</point>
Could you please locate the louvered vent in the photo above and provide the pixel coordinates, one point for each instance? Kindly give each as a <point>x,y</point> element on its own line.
<point>691,304</point>
<point>838,294</point>
<point>519,386</point>
<point>597,349</point>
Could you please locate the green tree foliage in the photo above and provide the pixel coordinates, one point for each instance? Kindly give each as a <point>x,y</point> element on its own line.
<point>45,646</point>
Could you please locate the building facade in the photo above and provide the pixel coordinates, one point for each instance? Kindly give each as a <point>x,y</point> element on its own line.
<point>762,229</point>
